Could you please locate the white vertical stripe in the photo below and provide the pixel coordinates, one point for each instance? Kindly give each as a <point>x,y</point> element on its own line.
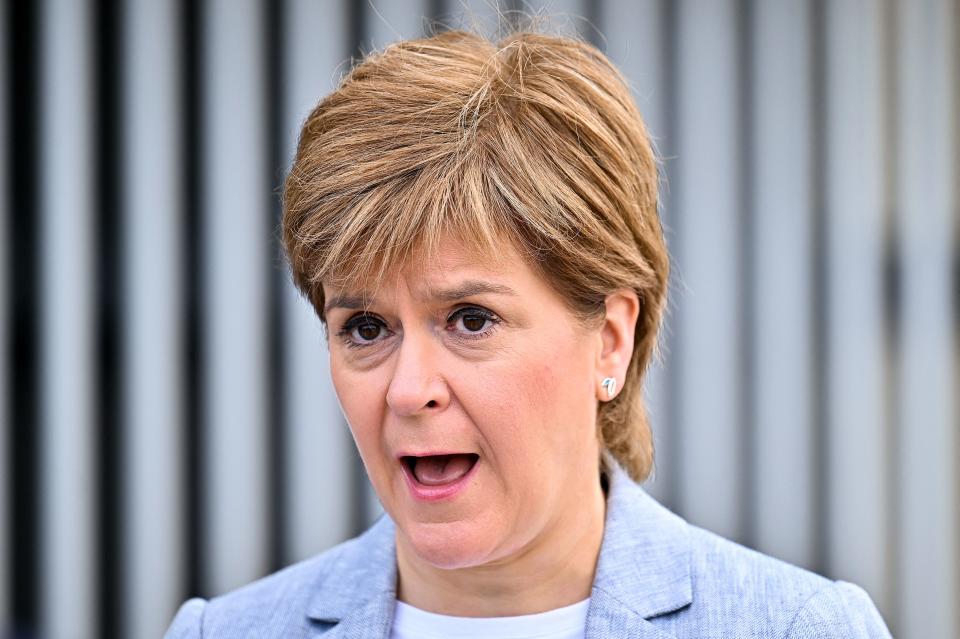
<point>855,355</point>
<point>6,477</point>
<point>929,563</point>
<point>318,474</point>
<point>782,353</point>
<point>481,16</point>
<point>636,44</point>
<point>492,17</point>
<point>153,420</point>
<point>388,22</point>
<point>566,17</point>
<point>236,258</point>
<point>391,20</point>
<point>708,310</point>
<point>68,549</point>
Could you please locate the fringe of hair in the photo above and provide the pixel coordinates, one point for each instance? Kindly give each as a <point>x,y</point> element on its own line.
<point>533,139</point>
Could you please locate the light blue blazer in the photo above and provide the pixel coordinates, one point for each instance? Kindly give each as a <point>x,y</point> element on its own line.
<point>657,577</point>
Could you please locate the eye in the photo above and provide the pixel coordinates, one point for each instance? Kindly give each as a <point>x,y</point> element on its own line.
<point>362,330</point>
<point>475,322</point>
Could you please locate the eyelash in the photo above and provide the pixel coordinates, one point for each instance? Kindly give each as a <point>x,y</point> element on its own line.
<point>474,311</point>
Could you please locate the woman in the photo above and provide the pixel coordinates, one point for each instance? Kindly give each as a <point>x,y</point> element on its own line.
<point>476,226</point>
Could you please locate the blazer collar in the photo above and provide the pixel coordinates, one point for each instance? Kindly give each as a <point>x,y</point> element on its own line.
<point>643,570</point>
<point>645,560</point>
<point>358,592</point>
<point>644,567</point>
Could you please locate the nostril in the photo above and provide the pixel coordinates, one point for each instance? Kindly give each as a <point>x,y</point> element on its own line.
<point>431,403</point>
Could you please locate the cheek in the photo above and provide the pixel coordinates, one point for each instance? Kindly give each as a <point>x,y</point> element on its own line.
<point>354,392</point>
<point>540,401</point>
<point>559,399</point>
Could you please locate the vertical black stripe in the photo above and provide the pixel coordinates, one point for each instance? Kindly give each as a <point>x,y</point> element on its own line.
<point>954,281</point>
<point>437,15</point>
<point>437,18</point>
<point>955,198</point>
<point>108,237</point>
<point>592,23</point>
<point>275,81</point>
<point>819,309</point>
<point>193,287</point>
<point>746,269</point>
<point>24,271</point>
<point>356,28</point>
<point>672,426</point>
<point>892,274</point>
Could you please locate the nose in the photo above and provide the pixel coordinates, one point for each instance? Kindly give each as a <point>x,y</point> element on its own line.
<point>417,386</point>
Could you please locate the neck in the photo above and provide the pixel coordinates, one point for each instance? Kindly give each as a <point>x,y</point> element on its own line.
<point>555,570</point>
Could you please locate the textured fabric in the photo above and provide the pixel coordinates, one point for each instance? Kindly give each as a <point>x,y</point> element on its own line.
<point>567,622</point>
<point>657,577</point>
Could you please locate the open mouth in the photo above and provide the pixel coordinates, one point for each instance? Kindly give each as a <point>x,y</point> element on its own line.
<point>439,470</point>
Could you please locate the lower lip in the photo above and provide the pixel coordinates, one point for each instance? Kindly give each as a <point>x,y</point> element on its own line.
<point>423,492</point>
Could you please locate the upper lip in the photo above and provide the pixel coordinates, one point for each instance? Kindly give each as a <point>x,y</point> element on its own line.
<point>433,453</point>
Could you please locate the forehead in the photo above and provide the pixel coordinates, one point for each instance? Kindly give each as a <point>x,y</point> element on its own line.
<point>452,271</point>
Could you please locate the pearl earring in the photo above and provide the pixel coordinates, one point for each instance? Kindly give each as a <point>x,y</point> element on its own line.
<point>610,384</point>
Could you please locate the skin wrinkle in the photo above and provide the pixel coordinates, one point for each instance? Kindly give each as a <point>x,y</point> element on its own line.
<point>467,289</point>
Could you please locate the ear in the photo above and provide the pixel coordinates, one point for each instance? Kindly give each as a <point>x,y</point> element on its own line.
<point>616,337</point>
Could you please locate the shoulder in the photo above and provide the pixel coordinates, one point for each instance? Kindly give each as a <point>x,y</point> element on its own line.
<point>689,582</point>
<point>273,604</point>
<point>840,610</point>
<point>747,593</point>
<point>720,564</point>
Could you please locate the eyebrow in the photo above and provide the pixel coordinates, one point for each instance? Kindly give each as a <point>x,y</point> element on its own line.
<point>467,288</point>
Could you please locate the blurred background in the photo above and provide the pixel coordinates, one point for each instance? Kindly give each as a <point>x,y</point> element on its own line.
<point>167,425</point>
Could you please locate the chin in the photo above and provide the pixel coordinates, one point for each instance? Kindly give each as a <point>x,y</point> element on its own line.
<point>450,545</point>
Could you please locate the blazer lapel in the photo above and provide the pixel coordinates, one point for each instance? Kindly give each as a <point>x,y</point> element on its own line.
<point>370,619</point>
<point>608,618</point>
<point>644,565</point>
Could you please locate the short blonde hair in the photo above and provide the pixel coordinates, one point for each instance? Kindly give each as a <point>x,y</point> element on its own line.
<point>534,139</point>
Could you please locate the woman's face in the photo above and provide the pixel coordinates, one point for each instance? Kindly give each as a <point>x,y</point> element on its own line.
<point>481,359</point>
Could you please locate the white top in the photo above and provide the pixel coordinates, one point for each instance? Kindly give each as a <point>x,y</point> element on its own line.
<point>568,622</point>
